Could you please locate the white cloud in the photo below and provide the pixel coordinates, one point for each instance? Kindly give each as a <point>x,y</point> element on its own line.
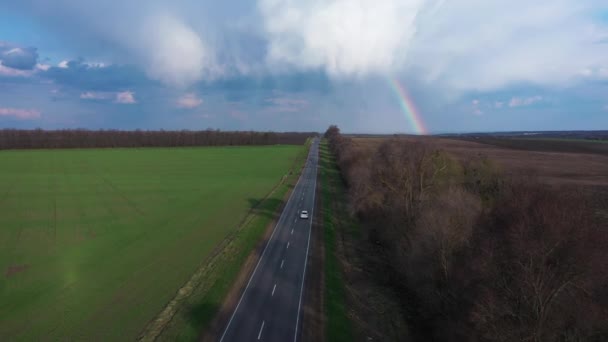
<point>63,65</point>
<point>498,104</point>
<point>173,52</point>
<point>163,38</point>
<point>125,97</point>
<point>344,37</point>
<point>95,64</point>
<point>23,114</point>
<point>475,107</point>
<point>286,104</point>
<point>524,101</point>
<point>42,67</point>
<point>189,100</point>
<point>462,45</point>
<point>96,95</point>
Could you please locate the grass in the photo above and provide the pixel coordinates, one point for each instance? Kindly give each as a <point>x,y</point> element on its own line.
<point>94,243</point>
<point>338,327</point>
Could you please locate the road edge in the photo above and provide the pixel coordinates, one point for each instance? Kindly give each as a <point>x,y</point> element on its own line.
<point>214,330</point>
<point>313,318</point>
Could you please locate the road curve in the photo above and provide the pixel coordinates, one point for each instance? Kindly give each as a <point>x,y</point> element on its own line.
<point>270,305</point>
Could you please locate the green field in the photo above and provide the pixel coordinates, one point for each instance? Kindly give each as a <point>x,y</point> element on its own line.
<point>94,243</point>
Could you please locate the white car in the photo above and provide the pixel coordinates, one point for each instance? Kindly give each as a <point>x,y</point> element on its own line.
<point>304,214</point>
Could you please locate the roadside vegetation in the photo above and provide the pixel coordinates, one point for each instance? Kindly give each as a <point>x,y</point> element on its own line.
<point>473,254</point>
<point>336,224</point>
<point>95,243</point>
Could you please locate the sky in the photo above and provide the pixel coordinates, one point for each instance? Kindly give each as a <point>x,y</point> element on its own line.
<point>370,66</point>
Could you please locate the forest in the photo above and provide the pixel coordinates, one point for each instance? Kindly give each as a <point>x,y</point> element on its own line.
<point>82,138</point>
<point>474,254</point>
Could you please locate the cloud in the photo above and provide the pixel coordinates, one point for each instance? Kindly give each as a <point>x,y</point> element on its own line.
<point>344,37</point>
<point>524,101</point>
<point>475,107</point>
<point>498,104</point>
<point>42,67</point>
<point>172,52</point>
<point>22,114</point>
<point>469,45</point>
<point>461,45</point>
<point>125,97</point>
<point>94,95</point>
<point>17,57</point>
<point>169,41</point>
<point>93,77</point>
<point>238,115</point>
<point>286,104</point>
<point>10,72</point>
<point>189,100</point>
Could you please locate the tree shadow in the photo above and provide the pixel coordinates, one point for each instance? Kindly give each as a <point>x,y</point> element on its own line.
<point>201,312</point>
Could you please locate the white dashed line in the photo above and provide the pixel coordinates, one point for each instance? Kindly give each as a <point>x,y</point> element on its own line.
<point>261,328</point>
<point>273,288</point>
<point>282,261</point>
<point>295,335</point>
<point>291,231</point>
<point>277,226</point>
<point>287,244</point>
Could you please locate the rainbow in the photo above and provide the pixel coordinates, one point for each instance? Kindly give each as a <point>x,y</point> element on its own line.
<point>412,115</point>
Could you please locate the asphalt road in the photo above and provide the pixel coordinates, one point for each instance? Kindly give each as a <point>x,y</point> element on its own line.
<point>269,308</point>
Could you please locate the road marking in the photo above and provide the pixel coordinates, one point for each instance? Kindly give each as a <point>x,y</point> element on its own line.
<point>282,261</point>
<point>273,288</point>
<point>261,328</point>
<point>295,335</point>
<point>287,244</point>
<point>261,258</point>
<point>291,231</point>
<point>296,220</point>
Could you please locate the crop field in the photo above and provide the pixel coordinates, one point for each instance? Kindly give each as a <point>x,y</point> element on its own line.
<point>560,163</point>
<point>95,242</point>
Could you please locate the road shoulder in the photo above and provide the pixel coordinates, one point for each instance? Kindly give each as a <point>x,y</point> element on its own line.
<point>215,328</point>
<point>313,318</point>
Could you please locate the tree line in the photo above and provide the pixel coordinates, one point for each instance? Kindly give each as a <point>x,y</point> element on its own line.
<point>475,255</point>
<point>81,138</point>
